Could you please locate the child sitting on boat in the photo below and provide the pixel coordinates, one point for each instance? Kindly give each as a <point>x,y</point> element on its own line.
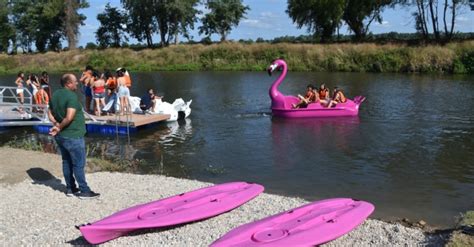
<point>323,93</point>
<point>338,97</point>
<point>309,97</point>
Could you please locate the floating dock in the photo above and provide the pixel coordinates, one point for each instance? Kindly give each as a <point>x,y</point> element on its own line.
<point>115,124</point>
<point>36,116</point>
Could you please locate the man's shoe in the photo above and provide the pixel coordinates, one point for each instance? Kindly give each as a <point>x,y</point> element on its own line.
<point>72,192</point>
<point>88,195</point>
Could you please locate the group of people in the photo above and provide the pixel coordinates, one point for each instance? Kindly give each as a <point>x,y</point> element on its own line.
<point>322,96</point>
<point>38,87</point>
<point>100,88</point>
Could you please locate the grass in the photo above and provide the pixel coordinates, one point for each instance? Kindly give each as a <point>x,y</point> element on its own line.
<point>460,239</point>
<point>98,160</point>
<point>452,58</point>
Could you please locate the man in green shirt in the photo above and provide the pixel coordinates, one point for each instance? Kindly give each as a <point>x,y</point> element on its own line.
<point>69,128</point>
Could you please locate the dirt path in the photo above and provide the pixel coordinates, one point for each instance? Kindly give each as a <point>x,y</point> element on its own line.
<point>16,165</point>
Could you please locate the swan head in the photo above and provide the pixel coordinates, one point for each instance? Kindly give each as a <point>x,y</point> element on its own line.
<point>275,65</point>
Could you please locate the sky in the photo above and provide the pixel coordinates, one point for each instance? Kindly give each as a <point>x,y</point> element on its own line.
<point>267,19</point>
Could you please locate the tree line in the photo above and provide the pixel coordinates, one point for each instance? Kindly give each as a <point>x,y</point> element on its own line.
<point>46,23</point>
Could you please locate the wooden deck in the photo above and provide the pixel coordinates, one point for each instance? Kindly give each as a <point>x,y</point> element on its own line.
<point>134,120</point>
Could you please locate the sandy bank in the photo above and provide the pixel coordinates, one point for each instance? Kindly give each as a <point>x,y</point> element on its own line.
<point>36,211</point>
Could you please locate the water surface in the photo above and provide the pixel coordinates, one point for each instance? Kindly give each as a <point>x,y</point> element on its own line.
<point>410,151</point>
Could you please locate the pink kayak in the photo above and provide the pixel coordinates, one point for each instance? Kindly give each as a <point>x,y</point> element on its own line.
<point>282,104</point>
<point>191,206</point>
<point>312,224</point>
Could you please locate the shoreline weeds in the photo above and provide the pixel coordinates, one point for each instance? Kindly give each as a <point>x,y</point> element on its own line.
<point>35,211</point>
<point>452,58</point>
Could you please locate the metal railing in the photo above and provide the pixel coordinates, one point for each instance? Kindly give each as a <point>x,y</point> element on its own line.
<point>14,113</point>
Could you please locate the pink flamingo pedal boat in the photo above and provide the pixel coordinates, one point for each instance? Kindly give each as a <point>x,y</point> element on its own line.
<point>282,104</point>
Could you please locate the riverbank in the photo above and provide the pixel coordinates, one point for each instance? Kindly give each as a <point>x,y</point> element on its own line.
<point>34,209</point>
<point>457,58</point>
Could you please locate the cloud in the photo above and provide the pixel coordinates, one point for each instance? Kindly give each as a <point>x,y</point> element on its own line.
<point>89,27</point>
<point>269,15</point>
<point>254,23</point>
<point>100,8</point>
<point>384,24</point>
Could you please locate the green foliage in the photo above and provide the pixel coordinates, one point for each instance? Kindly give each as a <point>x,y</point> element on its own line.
<point>177,17</point>
<point>97,60</point>
<point>356,11</point>
<point>467,60</point>
<point>26,144</point>
<point>91,45</point>
<point>7,31</point>
<point>45,23</point>
<point>451,58</point>
<point>112,29</point>
<point>168,18</point>
<point>321,16</point>
<point>223,16</point>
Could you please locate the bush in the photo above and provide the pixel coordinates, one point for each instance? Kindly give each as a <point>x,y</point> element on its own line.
<point>467,60</point>
<point>451,58</point>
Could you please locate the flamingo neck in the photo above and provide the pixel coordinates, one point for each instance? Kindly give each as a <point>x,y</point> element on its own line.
<point>274,88</point>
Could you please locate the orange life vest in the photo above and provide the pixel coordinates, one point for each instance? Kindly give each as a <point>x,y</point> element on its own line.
<point>111,83</point>
<point>128,81</point>
<point>323,93</point>
<point>42,97</point>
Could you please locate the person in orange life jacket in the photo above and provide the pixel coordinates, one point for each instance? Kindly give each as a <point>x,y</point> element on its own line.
<point>307,99</point>
<point>111,84</point>
<point>127,78</point>
<point>123,93</point>
<point>338,97</point>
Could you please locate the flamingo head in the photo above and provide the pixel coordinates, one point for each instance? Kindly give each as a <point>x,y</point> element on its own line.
<point>275,65</point>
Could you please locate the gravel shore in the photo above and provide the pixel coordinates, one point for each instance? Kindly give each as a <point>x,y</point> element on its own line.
<point>36,212</point>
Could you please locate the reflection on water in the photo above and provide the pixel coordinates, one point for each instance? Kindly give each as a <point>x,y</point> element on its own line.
<point>410,151</point>
<point>306,138</point>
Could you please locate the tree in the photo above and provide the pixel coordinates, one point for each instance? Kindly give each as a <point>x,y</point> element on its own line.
<point>72,20</point>
<point>181,16</point>
<point>141,17</point>
<point>322,17</point>
<point>455,5</point>
<point>223,15</point>
<point>7,31</point>
<point>44,23</point>
<point>112,27</point>
<point>427,12</point>
<point>23,18</point>
<point>357,12</point>
<point>175,17</point>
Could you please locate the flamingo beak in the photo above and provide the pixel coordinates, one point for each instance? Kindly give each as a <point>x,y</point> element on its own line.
<point>271,68</point>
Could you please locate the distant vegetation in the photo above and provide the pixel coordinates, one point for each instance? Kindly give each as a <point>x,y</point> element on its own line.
<point>29,26</point>
<point>455,57</point>
<point>31,33</point>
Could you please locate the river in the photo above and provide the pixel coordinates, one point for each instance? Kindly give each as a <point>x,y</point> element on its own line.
<point>410,151</point>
